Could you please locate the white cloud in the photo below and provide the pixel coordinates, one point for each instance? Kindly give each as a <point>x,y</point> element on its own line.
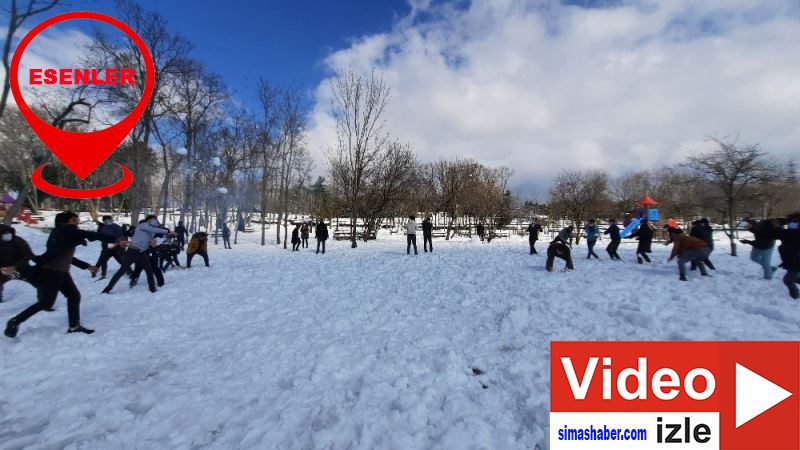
<point>540,87</point>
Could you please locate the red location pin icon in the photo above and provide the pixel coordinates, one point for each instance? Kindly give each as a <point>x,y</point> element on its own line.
<point>82,153</point>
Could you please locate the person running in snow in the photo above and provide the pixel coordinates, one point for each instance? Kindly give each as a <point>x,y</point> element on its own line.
<point>296,238</point>
<point>480,230</point>
<point>427,234</point>
<point>304,233</point>
<point>180,230</point>
<point>137,253</point>
<point>226,237</point>
<point>702,230</point>
<point>591,233</point>
<point>790,252</point>
<point>198,245</point>
<point>645,235</point>
<point>688,249</point>
<point>558,249</point>
<point>109,251</point>
<point>763,244</point>
<point>533,235</point>
<point>321,234</point>
<point>14,252</point>
<point>411,234</point>
<point>613,232</point>
<point>52,273</point>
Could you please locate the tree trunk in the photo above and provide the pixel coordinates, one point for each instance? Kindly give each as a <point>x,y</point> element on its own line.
<point>732,224</point>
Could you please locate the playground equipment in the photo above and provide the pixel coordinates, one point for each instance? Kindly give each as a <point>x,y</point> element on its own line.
<point>23,216</point>
<point>644,210</point>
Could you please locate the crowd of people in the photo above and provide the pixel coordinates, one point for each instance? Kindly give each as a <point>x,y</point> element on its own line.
<point>152,248</point>
<point>146,247</point>
<point>693,248</point>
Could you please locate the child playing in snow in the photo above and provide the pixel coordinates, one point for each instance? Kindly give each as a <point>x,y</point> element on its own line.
<point>558,249</point>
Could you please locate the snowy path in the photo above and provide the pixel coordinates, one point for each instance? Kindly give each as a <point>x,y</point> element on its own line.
<point>365,348</point>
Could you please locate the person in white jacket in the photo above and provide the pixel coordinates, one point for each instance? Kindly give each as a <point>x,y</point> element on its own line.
<point>411,234</point>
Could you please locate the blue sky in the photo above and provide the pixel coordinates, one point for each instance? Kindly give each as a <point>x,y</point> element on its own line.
<point>284,42</point>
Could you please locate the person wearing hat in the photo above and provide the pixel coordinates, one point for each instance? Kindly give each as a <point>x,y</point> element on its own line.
<point>790,253</point>
<point>763,243</point>
<point>688,249</point>
<point>14,252</point>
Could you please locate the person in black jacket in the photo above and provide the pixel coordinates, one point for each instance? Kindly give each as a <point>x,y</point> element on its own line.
<point>480,230</point>
<point>533,235</point>
<point>182,233</point>
<point>52,272</point>
<point>226,237</point>
<point>427,234</point>
<point>108,251</point>
<point>763,244</point>
<point>14,252</point>
<point>613,232</point>
<point>559,249</point>
<point>790,252</point>
<point>702,230</point>
<point>321,234</point>
<point>645,235</point>
<point>296,238</point>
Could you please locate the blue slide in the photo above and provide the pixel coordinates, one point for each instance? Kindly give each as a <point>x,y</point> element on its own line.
<point>631,226</point>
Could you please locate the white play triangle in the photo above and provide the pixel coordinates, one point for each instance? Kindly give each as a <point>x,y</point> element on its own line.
<point>755,394</point>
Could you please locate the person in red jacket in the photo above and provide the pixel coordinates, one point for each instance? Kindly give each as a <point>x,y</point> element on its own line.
<point>688,249</point>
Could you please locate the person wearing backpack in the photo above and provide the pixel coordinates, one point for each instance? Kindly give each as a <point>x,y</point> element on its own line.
<point>198,245</point>
<point>763,243</point>
<point>591,233</point>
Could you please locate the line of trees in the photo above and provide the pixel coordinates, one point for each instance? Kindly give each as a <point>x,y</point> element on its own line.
<point>724,184</point>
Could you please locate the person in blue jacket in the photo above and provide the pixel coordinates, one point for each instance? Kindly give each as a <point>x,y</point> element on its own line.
<point>592,233</point>
<point>613,233</point>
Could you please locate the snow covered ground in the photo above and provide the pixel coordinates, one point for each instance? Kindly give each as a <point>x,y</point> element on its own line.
<point>365,348</point>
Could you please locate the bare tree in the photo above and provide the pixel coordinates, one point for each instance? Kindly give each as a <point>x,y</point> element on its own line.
<point>18,12</point>
<point>734,171</point>
<point>579,196</point>
<point>266,149</point>
<point>358,106</point>
<point>167,51</point>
